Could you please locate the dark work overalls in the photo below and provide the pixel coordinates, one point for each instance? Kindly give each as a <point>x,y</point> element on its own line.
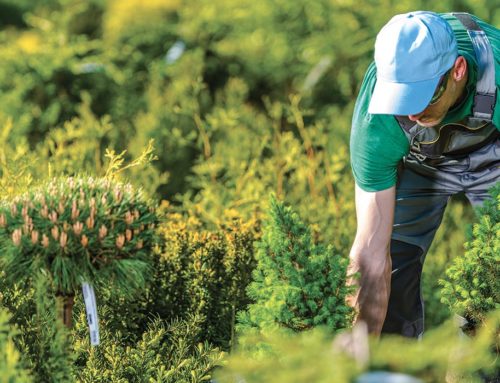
<point>443,160</point>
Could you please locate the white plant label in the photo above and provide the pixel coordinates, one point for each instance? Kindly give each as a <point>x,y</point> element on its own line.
<point>91,308</point>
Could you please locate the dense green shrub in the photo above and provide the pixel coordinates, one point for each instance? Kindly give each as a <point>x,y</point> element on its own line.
<point>204,273</point>
<point>41,337</point>
<point>167,353</point>
<point>18,299</point>
<point>44,339</point>
<point>297,283</point>
<point>11,370</point>
<point>472,287</point>
<point>139,348</point>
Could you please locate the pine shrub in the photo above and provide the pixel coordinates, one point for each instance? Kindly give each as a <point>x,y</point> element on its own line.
<point>203,272</point>
<point>79,230</point>
<point>472,287</point>
<point>298,284</point>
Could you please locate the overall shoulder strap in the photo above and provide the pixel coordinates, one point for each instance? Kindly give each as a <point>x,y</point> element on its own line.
<point>485,97</point>
<point>411,131</point>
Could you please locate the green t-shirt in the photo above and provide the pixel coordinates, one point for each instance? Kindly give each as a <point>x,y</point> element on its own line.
<point>378,143</point>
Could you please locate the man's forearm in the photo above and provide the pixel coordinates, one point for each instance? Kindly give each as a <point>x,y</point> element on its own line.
<point>371,297</point>
<point>370,256</point>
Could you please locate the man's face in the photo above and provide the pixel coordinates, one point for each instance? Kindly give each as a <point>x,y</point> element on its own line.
<point>435,112</point>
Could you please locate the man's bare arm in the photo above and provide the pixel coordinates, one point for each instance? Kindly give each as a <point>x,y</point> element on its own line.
<point>370,256</point>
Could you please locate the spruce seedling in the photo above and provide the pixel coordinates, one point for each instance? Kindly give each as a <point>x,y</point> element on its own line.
<point>472,286</point>
<point>298,284</point>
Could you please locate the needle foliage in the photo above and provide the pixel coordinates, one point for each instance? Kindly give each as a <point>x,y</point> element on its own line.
<point>298,284</point>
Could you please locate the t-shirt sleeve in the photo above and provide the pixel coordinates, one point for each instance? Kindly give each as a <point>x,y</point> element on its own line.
<point>377,143</point>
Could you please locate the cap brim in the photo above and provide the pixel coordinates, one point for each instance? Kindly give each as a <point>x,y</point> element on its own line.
<point>401,99</point>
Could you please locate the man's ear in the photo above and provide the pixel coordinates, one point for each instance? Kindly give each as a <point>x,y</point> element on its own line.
<point>459,68</point>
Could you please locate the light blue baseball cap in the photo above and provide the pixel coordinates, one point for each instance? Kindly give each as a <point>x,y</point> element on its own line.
<point>412,52</point>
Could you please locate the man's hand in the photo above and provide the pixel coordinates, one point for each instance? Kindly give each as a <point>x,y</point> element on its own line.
<point>370,256</point>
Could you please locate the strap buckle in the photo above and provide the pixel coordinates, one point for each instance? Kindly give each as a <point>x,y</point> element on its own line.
<point>416,152</point>
<point>484,104</point>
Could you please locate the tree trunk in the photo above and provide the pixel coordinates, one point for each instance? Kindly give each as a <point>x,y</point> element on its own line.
<point>66,306</point>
